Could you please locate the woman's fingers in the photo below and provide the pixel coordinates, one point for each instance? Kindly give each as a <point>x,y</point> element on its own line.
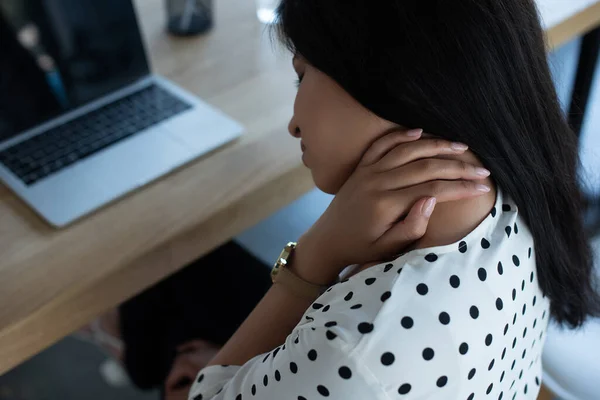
<point>385,144</point>
<point>443,191</point>
<point>430,169</point>
<point>424,148</point>
<point>411,228</point>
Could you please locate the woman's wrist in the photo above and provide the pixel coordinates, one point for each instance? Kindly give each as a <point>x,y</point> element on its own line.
<point>311,263</point>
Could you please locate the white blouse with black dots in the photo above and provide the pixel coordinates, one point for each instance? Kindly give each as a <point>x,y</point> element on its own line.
<point>463,321</point>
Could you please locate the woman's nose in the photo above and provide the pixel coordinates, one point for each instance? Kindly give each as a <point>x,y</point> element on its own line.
<point>293,129</point>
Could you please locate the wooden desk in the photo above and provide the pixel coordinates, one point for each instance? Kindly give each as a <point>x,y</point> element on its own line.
<point>52,282</point>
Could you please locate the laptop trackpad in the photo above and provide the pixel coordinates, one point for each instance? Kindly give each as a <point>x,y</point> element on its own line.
<point>109,174</point>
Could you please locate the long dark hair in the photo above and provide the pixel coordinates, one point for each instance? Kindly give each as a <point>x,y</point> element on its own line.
<point>473,71</point>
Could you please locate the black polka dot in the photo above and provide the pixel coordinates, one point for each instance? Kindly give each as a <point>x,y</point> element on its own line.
<point>253,390</point>
<point>356,306</point>
<point>514,344</point>
<point>442,381</point>
<point>537,381</point>
<point>524,354</point>
<point>266,381</point>
<point>276,351</point>
<point>499,304</point>
<point>454,281</point>
<point>238,397</point>
<point>326,308</point>
<point>472,373</point>
<point>493,212</point>
<point>428,354</point>
<point>370,281</point>
<point>444,318</point>
<point>301,398</point>
<point>312,355</point>
<point>515,319</point>
<point>323,391</point>
<point>544,314</point>
<point>505,329</point>
<point>534,322</point>
<point>387,358</point>
<point>297,340</point>
<point>317,306</point>
<point>531,277</point>
<point>471,396</point>
<point>463,348</point>
<point>516,261</point>
<point>524,333</point>
<point>503,354</point>
<point>399,270</point>
<point>485,244</point>
<point>293,367</point>
<point>365,327</point>
<point>516,229</point>
<point>345,372</point>
<point>529,253</point>
<point>514,294</point>
<point>348,297</point>
<point>330,335</point>
<point>405,388</point>
<point>511,385</point>
<point>474,311</point>
<point>482,273</point>
<point>501,395</point>
<point>500,268</point>
<point>489,389</point>
<point>407,322</point>
<point>201,377</point>
<point>431,257</point>
<point>505,207</point>
<point>277,375</point>
<point>521,375</point>
<point>491,366</point>
<point>523,285</point>
<point>198,397</point>
<point>513,365</point>
<point>422,289</point>
<point>330,324</point>
<point>508,230</point>
<point>386,296</point>
<point>488,339</point>
<point>524,308</point>
<point>502,376</point>
<point>462,247</point>
<point>309,318</point>
<point>388,267</point>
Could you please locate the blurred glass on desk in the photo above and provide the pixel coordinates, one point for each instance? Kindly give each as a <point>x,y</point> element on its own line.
<point>189,17</point>
<point>265,10</point>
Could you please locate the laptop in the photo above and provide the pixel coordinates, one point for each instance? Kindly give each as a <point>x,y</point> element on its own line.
<point>83,120</point>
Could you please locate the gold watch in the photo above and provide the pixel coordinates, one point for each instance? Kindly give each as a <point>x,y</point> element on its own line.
<point>282,275</point>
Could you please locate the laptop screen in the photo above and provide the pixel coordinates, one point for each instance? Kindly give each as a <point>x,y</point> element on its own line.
<point>56,55</point>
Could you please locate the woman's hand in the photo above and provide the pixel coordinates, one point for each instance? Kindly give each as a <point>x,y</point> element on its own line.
<point>386,204</point>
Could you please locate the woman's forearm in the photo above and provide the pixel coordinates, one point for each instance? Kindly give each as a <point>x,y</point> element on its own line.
<point>276,315</point>
<point>266,327</point>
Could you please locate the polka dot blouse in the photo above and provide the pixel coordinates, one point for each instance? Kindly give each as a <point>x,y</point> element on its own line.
<point>462,321</point>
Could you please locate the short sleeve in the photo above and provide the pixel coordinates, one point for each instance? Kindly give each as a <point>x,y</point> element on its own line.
<point>313,363</point>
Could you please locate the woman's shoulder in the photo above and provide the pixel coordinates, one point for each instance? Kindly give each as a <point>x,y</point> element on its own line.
<point>447,282</point>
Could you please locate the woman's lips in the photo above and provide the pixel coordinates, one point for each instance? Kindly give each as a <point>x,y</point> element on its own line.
<point>302,147</point>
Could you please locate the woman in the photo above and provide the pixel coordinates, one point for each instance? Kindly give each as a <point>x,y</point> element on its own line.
<point>444,304</point>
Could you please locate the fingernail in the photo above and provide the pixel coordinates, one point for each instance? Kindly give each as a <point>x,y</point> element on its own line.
<point>482,172</point>
<point>414,132</point>
<point>459,147</point>
<point>483,188</point>
<point>429,206</point>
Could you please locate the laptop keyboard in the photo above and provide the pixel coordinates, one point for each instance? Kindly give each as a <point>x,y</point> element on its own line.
<point>61,146</point>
